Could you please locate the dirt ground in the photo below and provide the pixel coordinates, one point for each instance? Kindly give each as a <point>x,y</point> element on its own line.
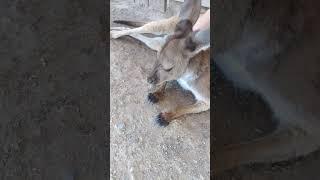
<point>52,89</point>
<point>140,149</point>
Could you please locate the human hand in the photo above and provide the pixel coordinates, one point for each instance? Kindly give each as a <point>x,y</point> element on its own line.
<point>203,21</point>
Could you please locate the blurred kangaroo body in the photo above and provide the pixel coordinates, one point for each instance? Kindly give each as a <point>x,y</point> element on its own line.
<point>183,55</point>
<point>272,47</point>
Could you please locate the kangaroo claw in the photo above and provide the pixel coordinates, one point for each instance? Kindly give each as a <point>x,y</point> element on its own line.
<point>152,98</point>
<point>161,120</point>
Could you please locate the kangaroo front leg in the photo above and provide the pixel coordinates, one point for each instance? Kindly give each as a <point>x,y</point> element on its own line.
<point>165,118</point>
<point>165,26</point>
<point>158,94</point>
<point>278,146</point>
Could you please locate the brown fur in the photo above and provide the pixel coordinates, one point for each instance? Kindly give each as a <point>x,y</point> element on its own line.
<point>176,60</point>
<point>176,63</point>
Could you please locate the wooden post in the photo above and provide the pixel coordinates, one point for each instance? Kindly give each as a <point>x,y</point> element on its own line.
<point>160,5</point>
<point>144,3</point>
<point>204,3</point>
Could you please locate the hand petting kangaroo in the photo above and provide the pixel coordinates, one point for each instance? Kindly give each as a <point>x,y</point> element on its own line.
<point>182,55</point>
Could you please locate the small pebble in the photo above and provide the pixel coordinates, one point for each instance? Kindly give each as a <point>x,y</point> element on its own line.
<point>120,126</point>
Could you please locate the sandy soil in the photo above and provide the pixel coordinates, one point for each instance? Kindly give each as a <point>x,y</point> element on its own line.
<point>139,148</point>
<point>52,75</point>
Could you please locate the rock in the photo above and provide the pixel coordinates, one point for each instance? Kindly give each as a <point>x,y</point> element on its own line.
<point>120,126</point>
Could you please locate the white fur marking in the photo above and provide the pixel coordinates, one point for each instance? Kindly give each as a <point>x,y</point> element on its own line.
<point>185,81</point>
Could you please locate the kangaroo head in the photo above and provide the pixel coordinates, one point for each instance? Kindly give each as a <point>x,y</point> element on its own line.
<point>173,59</point>
<point>181,46</point>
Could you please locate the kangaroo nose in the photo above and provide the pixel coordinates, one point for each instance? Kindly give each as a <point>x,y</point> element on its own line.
<point>152,79</point>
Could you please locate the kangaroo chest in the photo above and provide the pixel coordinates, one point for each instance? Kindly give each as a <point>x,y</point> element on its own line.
<point>187,81</point>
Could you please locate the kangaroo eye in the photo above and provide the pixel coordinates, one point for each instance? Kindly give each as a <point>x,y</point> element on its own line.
<point>167,67</point>
<point>167,70</point>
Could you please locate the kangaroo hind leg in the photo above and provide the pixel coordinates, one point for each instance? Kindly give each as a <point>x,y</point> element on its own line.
<point>164,26</point>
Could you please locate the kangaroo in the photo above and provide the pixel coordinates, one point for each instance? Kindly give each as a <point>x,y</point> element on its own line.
<point>182,55</point>
<point>272,47</point>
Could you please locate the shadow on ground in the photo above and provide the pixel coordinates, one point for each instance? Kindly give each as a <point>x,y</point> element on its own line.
<point>51,87</point>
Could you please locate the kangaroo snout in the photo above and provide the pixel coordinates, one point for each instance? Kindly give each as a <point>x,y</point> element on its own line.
<point>153,79</point>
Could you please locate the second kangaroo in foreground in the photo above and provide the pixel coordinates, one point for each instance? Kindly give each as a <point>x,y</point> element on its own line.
<point>272,47</point>
<point>182,55</point>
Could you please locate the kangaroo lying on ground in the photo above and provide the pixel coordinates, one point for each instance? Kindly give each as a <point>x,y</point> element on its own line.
<point>272,47</point>
<point>182,55</point>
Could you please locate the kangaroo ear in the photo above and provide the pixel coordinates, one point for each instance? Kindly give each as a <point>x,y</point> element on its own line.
<point>188,16</point>
<point>182,29</point>
<point>190,10</point>
<point>197,41</point>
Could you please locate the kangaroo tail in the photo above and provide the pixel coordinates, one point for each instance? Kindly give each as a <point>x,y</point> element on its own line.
<point>130,23</point>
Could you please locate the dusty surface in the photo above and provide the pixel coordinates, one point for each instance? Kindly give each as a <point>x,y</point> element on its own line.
<point>52,74</point>
<point>139,148</point>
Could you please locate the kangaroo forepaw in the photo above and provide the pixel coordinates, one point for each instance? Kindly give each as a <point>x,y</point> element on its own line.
<point>153,98</point>
<point>161,120</point>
